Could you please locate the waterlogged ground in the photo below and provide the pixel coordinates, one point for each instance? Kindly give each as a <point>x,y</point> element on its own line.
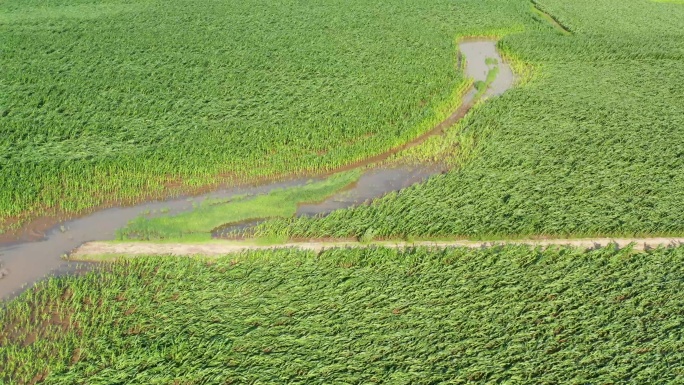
<point>27,262</point>
<point>371,184</point>
<point>482,57</point>
<point>118,100</point>
<point>591,146</point>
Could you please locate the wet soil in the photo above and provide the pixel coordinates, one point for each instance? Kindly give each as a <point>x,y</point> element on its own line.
<point>29,261</point>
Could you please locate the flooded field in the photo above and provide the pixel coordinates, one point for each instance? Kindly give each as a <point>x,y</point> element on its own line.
<point>26,262</point>
<point>374,183</point>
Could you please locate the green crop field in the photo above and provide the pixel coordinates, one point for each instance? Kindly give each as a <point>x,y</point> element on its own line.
<point>112,102</point>
<point>514,315</point>
<point>592,145</point>
<point>116,100</point>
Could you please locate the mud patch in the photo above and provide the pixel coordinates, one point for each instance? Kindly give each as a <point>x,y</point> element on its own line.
<point>234,230</point>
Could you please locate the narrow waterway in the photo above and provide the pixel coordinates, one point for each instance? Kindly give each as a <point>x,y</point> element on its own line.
<point>27,262</point>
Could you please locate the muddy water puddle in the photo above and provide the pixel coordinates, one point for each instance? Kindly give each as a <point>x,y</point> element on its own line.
<point>481,57</point>
<point>371,184</point>
<point>28,262</point>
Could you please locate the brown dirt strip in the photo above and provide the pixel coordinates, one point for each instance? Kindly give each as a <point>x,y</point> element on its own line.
<point>89,250</point>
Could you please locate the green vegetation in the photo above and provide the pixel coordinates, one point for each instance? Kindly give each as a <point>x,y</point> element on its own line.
<point>513,315</point>
<point>592,145</point>
<point>481,86</point>
<point>541,15</point>
<point>198,223</point>
<point>117,100</point>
